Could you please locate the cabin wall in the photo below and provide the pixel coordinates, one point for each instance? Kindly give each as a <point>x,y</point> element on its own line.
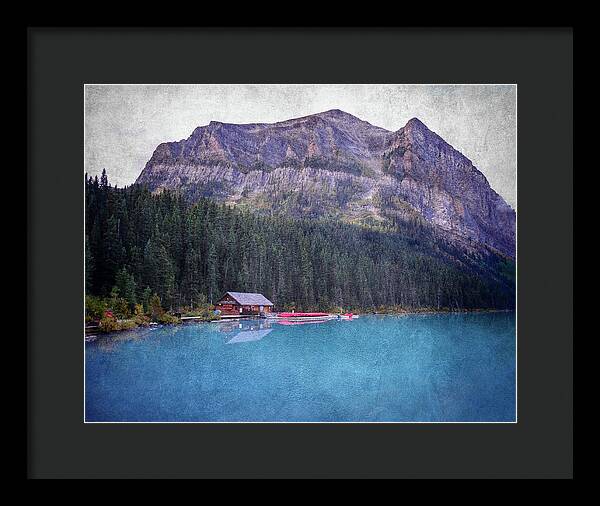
<point>235,309</point>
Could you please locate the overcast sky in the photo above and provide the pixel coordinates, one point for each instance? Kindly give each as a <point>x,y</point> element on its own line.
<point>125,123</point>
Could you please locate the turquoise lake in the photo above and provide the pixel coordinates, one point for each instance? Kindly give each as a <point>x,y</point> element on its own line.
<point>414,368</point>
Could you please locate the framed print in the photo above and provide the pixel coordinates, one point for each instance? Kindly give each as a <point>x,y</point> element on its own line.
<point>332,251</point>
<point>240,257</point>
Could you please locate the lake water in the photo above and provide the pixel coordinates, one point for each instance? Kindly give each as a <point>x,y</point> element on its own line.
<point>417,368</point>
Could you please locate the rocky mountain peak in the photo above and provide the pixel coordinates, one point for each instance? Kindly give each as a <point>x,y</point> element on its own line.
<point>415,124</point>
<point>337,114</point>
<point>333,164</point>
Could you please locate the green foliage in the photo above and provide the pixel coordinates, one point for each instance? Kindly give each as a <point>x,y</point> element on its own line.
<point>203,310</point>
<point>146,295</point>
<point>95,307</point>
<point>127,324</point>
<point>167,318</point>
<point>167,254</point>
<point>89,264</point>
<point>108,324</point>
<point>126,286</point>
<point>155,308</point>
<point>508,269</point>
<point>118,305</point>
<point>111,324</point>
<point>139,317</point>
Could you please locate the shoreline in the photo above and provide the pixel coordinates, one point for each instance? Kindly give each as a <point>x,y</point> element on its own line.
<point>407,312</point>
<point>439,311</point>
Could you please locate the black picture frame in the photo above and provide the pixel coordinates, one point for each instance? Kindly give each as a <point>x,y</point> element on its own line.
<point>61,61</point>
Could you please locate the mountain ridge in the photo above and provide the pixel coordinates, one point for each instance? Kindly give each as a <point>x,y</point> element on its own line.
<point>333,164</point>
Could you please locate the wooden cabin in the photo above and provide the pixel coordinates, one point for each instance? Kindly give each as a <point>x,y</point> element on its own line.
<point>244,303</point>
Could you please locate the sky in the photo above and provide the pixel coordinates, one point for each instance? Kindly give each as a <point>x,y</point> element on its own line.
<point>125,123</point>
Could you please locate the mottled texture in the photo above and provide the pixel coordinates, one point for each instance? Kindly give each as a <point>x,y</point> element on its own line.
<point>418,368</point>
<point>124,123</point>
<point>333,164</point>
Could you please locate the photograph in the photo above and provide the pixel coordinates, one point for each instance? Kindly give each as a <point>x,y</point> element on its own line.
<point>300,253</point>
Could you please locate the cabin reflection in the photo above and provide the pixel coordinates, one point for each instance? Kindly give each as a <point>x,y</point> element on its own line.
<point>249,335</point>
<point>246,331</point>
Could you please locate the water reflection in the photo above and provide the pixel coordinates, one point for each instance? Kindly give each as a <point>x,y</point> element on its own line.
<point>110,342</point>
<point>249,335</point>
<point>299,322</point>
<point>245,331</point>
<point>377,368</point>
<point>255,330</point>
<point>242,325</point>
<point>236,331</point>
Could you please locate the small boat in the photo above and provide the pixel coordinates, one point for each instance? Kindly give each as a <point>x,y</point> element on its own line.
<point>305,318</point>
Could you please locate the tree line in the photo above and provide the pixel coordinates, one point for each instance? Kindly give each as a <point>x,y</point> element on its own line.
<point>147,244</point>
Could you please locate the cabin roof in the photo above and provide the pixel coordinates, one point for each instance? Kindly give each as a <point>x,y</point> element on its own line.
<point>250,299</point>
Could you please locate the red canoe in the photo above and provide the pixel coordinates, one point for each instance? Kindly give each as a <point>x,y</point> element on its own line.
<point>300,315</point>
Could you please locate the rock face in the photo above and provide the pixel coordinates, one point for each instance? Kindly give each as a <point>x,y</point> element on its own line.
<point>333,164</point>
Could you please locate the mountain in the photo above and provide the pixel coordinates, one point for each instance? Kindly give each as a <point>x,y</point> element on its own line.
<point>334,165</point>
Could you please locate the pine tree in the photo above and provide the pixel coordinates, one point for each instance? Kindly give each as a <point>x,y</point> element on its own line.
<point>212,273</point>
<point>243,274</point>
<point>89,266</point>
<point>126,286</point>
<point>146,296</point>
